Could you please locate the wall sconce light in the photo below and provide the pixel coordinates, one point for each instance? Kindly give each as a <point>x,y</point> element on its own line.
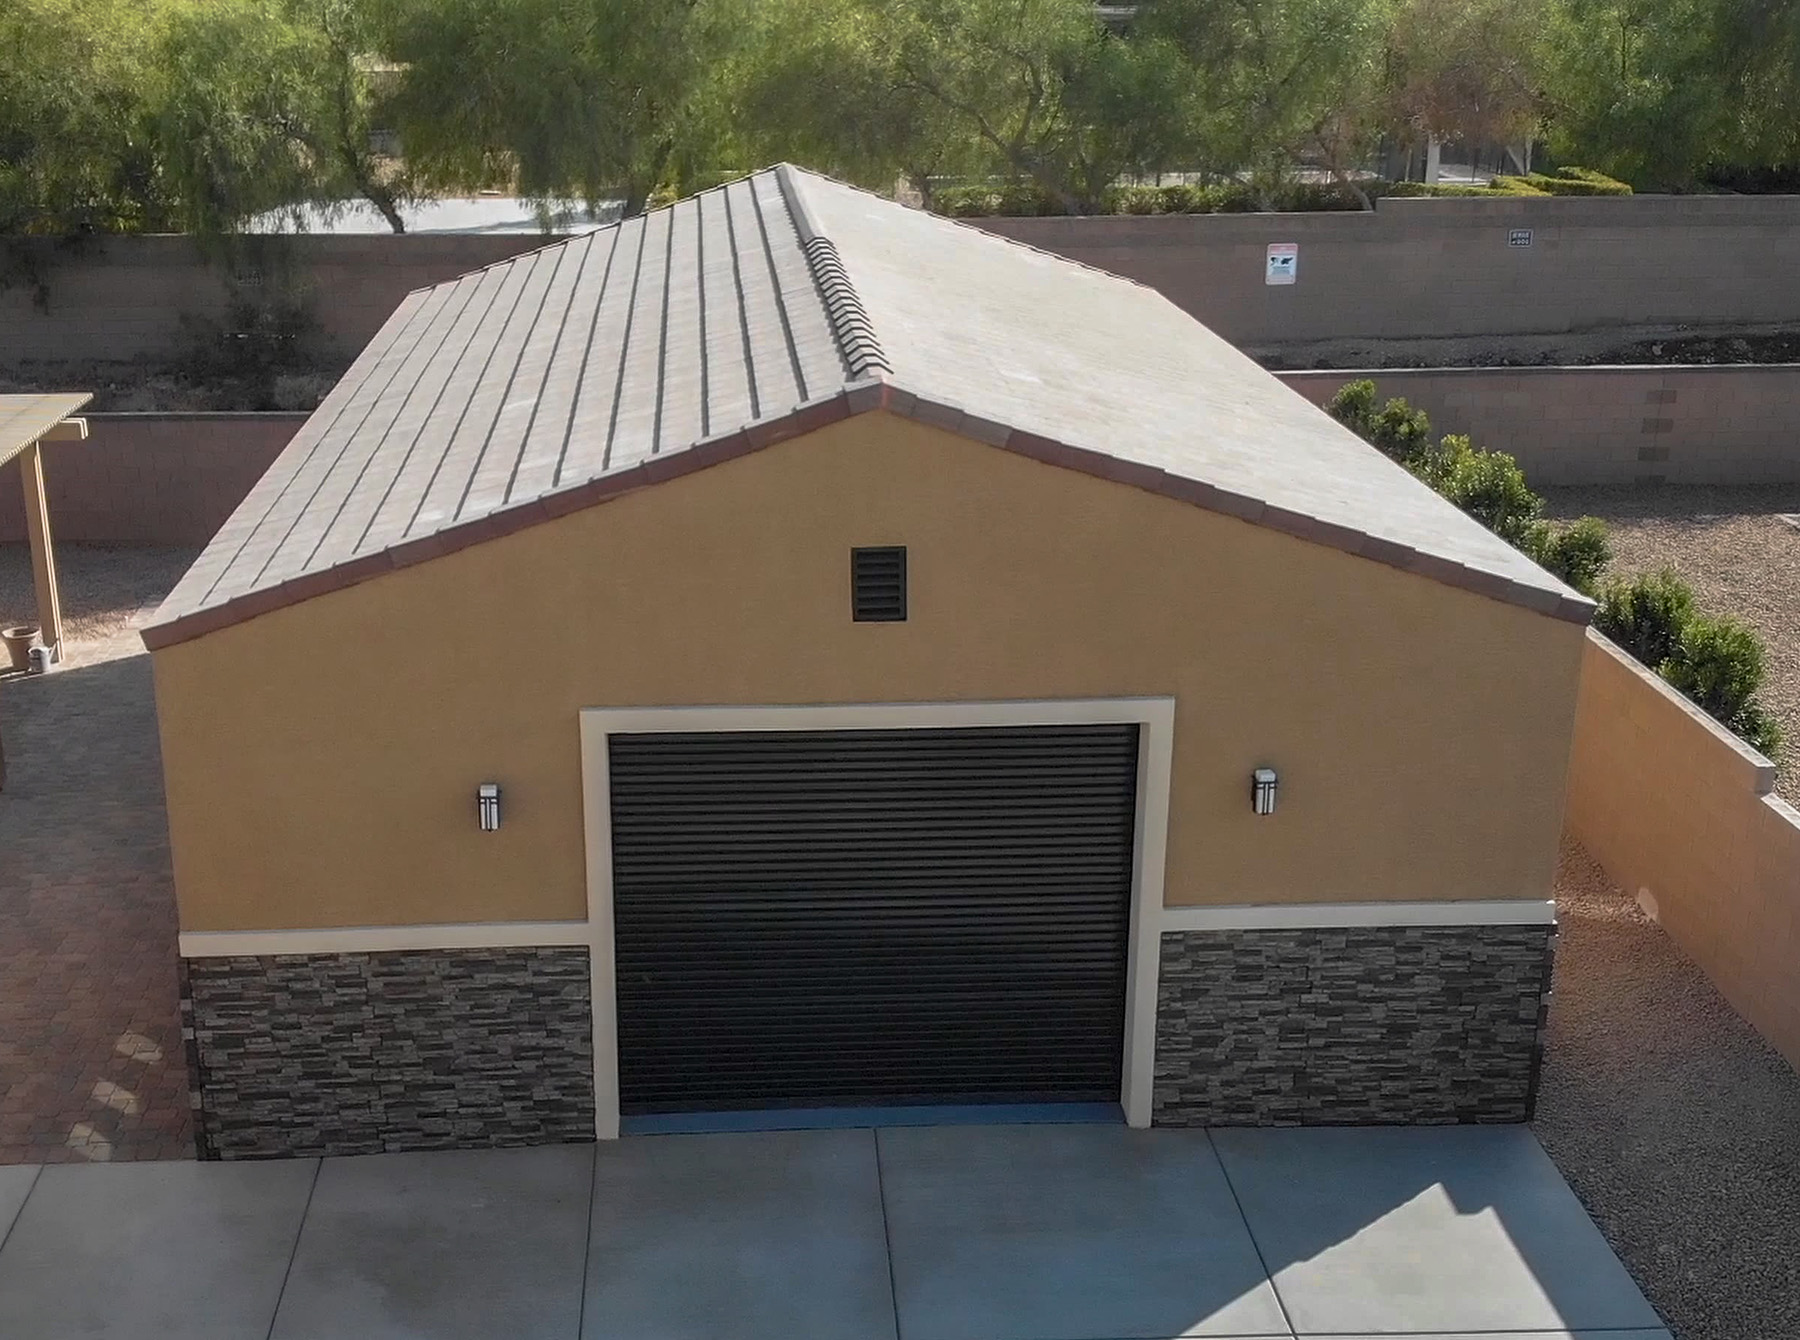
<point>487,806</point>
<point>1262,790</point>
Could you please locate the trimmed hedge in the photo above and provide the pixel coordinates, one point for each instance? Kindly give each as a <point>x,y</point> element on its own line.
<point>1566,181</point>
<point>1028,200</point>
<point>1454,190</point>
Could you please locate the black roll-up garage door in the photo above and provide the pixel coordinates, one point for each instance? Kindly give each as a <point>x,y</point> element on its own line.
<point>892,916</point>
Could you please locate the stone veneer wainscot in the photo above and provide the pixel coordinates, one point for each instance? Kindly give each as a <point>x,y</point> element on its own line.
<point>361,1053</point>
<point>1383,1024</point>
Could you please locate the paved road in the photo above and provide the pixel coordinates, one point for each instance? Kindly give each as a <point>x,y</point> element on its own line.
<point>935,1233</point>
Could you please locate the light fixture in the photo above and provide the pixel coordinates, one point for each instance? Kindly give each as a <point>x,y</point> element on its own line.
<point>1262,790</point>
<point>487,806</point>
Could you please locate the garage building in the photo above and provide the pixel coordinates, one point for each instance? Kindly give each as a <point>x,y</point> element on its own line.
<point>788,658</point>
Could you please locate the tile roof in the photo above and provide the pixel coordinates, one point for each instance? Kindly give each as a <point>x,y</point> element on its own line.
<point>763,309</point>
<point>26,418</point>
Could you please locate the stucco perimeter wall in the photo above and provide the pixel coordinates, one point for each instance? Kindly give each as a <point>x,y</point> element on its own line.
<point>150,479</point>
<point>1417,269</point>
<point>322,759</point>
<point>1674,806</point>
<point>127,297</point>
<point>1608,425</point>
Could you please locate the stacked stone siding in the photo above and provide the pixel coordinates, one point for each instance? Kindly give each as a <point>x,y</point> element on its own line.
<point>364,1053</point>
<point>1343,1026</point>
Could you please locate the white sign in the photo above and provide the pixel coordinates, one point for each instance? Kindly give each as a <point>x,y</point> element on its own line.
<point>1519,237</point>
<point>1284,263</point>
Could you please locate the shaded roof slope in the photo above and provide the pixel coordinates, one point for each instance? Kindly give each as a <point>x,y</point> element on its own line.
<point>764,309</point>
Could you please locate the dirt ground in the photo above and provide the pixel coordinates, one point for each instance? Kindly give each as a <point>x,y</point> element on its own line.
<point>1732,547</point>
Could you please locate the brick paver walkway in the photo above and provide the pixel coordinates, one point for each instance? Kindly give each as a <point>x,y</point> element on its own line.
<point>91,1061</point>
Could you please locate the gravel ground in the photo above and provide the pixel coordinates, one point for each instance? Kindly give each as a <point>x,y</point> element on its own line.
<point>103,592</point>
<point>1677,1125</point>
<point>1740,558</point>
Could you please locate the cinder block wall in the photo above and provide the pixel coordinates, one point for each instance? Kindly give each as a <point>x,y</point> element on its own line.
<point>1412,269</point>
<point>1416,269</point>
<point>1682,814</point>
<point>121,298</point>
<point>1677,425</point>
<point>150,479</point>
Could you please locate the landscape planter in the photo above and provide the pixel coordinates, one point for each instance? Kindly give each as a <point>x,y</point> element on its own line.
<point>19,641</point>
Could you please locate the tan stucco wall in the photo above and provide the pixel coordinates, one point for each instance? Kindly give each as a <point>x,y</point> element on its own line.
<point>1675,808</point>
<point>322,759</point>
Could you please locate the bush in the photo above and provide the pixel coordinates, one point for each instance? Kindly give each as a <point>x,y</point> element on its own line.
<point>1646,615</point>
<point>1718,663</point>
<point>1488,485</point>
<point>1454,190</point>
<point>1397,429</point>
<point>1577,553</point>
<point>1567,181</point>
<point>1003,199</point>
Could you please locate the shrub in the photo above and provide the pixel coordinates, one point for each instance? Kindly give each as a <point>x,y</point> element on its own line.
<point>1718,663</point>
<point>1456,190</point>
<point>1567,181</point>
<point>1646,615</point>
<point>1005,199</point>
<point>1577,553</point>
<point>1488,485</point>
<point>1397,429</point>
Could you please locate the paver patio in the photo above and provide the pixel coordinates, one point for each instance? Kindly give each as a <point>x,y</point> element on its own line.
<point>91,1062</point>
<point>938,1233</point>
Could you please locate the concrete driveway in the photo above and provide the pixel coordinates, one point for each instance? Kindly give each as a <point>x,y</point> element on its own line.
<point>938,1233</point>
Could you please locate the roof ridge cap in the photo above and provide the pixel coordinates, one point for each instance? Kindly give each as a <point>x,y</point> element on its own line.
<point>844,310</point>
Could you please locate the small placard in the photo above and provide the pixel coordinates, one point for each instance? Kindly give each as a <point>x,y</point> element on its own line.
<point>1283,263</point>
<point>1519,237</point>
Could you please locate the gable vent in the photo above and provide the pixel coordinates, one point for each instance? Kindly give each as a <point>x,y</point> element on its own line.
<point>878,584</point>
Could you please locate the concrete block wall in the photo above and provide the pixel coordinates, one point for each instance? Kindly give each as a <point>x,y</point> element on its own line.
<point>1608,425</point>
<point>1683,815</point>
<point>1417,269</point>
<point>150,479</point>
<point>119,298</point>
<point>1412,269</point>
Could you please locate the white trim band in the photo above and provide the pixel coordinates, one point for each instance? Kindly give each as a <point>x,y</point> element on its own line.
<point>1328,916</point>
<point>379,939</point>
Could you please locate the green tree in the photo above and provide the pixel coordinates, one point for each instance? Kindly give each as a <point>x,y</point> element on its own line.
<point>1642,89</point>
<point>1045,90</point>
<point>77,146</point>
<point>587,98</point>
<point>820,82</point>
<point>267,105</point>
<point>1278,83</point>
<point>1465,69</point>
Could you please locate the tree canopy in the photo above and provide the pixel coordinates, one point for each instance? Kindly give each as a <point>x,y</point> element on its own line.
<point>120,115</point>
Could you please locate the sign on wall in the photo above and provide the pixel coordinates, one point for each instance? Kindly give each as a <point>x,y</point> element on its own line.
<point>1519,237</point>
<point>1283,263</point>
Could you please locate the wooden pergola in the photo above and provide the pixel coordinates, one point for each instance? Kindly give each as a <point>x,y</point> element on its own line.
<point>26,423</point>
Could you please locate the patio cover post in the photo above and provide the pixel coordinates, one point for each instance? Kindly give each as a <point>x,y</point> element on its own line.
<point>43,556</point>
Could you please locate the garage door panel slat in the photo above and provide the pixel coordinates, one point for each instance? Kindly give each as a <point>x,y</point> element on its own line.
<point>807,918</point>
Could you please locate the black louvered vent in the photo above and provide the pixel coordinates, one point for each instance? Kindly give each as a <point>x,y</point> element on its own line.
<point>878,584</point>
<point>829,918</point>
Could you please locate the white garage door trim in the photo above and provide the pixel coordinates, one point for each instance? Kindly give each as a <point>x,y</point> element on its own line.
<point>1155,716</point>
